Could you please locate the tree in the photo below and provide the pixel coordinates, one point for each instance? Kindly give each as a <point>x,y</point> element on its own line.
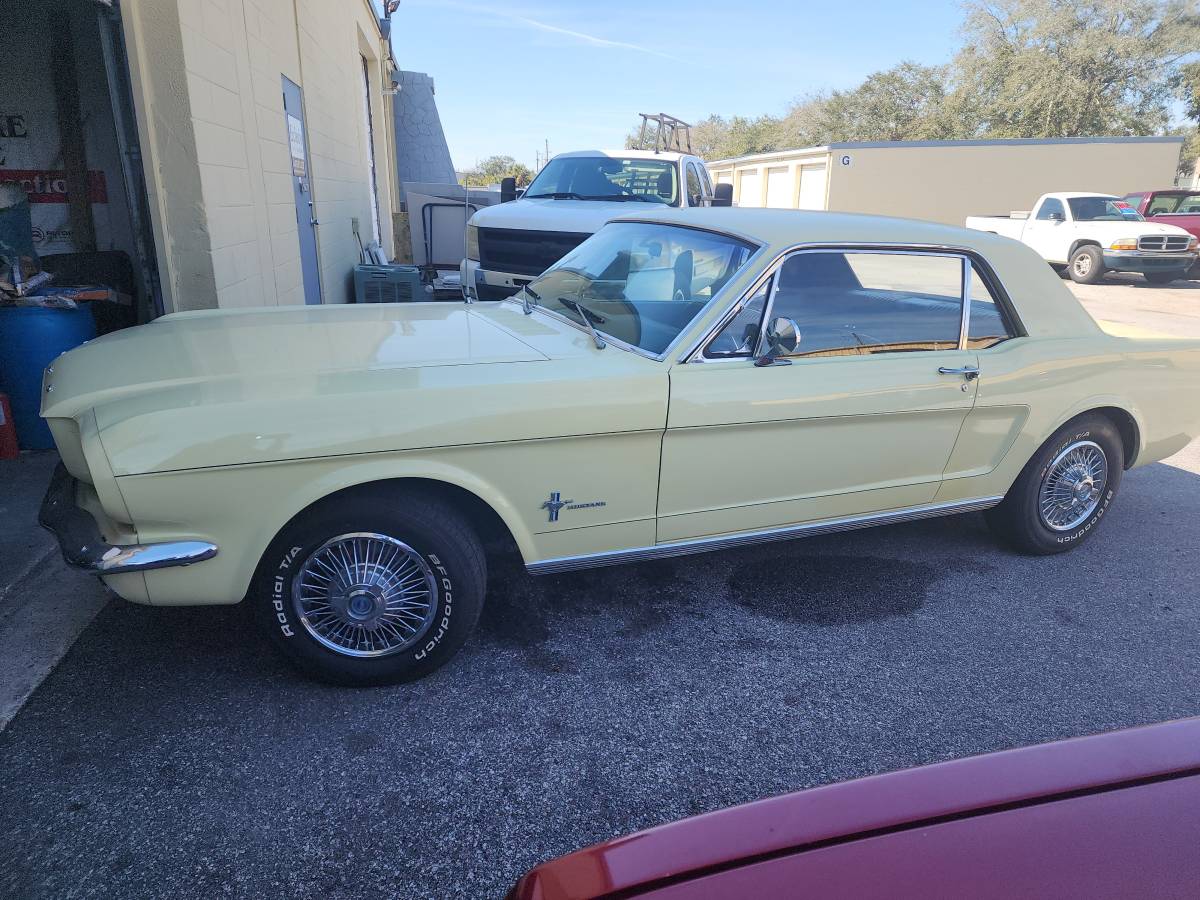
<point>1189,92</point>
<point>1027,69</point>
<point>496,168</point>
<point>1066,68</point>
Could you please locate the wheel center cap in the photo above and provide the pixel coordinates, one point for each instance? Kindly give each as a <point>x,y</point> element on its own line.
<point>1082,490</point>
<point>360,604</point>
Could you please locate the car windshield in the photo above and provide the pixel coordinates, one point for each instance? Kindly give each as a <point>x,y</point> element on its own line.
<point>1102,209</point>
<point>1169,204</point>
<point>641,283</point>
<point>607,178</point>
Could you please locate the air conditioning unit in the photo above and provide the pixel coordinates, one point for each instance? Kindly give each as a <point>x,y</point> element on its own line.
<point>387,284</point>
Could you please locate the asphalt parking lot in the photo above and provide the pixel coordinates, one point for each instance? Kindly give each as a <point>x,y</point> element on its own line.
<point>171,752</point>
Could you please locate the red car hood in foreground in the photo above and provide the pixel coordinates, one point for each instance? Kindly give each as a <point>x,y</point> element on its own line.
<point>1112,815</point>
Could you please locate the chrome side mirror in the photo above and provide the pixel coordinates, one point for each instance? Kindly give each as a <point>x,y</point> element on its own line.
<point>783,337</point>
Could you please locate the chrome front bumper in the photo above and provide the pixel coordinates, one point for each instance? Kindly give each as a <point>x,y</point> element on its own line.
<point>83,547</point>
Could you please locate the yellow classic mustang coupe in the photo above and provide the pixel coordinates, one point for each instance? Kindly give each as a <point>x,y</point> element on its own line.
<point>685,381</point>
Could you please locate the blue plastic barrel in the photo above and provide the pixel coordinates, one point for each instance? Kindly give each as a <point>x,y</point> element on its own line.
<point>30,337</point>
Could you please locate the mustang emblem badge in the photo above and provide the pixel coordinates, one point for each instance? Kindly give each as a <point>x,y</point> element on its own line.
<point>556,504</point>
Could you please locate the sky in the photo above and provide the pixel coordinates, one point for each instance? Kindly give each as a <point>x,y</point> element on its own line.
<point>511,76</point>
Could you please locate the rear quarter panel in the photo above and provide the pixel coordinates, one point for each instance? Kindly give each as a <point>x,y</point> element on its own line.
<point>1032,386</point>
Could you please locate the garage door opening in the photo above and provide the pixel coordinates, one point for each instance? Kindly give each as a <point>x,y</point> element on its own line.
<point>68,144</point>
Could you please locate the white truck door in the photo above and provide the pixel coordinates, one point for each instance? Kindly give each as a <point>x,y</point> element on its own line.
<point>1048,231</point>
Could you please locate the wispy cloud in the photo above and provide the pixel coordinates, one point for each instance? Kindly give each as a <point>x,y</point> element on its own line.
<point>586,38</point>
<point>538,25</point>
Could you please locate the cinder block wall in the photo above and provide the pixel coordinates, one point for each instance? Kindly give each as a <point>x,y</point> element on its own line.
<point>224,65</point>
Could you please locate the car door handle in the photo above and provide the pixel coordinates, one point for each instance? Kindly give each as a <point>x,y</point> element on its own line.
<point>969,372</point>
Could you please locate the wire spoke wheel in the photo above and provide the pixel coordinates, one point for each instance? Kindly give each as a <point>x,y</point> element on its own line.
<point>1073,486</point>
<point>365,595</point>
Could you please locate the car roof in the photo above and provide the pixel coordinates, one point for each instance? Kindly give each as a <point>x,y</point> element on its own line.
<point>624,154</point>
<point>778,229</point>
<point>1071,195</point>
<point>857,809</point>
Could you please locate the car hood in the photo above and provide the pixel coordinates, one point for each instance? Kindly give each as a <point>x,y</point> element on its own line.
<point>574,216</point>
<point>224,388</point>
<point>256,345</point>
<point>1131,229</point>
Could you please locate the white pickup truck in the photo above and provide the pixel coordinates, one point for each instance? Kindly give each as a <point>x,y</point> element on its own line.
<point>1091,234</point>
<point>573,197</point>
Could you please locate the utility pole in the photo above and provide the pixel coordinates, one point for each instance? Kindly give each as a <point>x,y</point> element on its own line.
<point>547,156</point>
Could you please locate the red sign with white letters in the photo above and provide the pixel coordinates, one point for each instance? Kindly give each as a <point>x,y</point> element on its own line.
<point>50,185</point>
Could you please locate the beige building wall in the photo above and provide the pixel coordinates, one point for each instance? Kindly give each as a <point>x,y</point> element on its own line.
<point>948,182</point>
<point>208,91</point>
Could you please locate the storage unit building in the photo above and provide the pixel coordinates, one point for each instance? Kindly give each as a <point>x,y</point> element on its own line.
<point>945,181</point>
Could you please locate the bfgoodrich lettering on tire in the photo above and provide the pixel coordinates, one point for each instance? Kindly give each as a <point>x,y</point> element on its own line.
<point>375,586</point>
<point>1064,492</point>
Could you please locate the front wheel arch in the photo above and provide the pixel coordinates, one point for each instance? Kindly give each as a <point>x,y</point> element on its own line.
<point>489,524</point>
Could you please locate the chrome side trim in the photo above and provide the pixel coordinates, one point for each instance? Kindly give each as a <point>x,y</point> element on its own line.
<point>728,541</point>
<point>965,328</point>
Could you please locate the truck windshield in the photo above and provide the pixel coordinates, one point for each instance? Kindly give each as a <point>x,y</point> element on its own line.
<point>607,178</point>
<point>640,283</point>
<point>1102,209</point>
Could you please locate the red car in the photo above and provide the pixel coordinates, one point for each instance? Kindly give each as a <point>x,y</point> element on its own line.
<point>1173,207</point>
<point>1115,815</point>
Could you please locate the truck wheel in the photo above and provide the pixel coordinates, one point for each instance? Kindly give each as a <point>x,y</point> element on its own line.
<point>372,588</point>
<point>1060,497</point>
<point>1162,277</point>
<point>1087,265</point>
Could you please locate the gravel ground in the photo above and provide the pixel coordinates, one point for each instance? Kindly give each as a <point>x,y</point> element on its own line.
<point>171,753</point>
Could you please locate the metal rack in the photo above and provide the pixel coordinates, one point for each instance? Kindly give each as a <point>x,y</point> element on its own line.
<point>670,133</point>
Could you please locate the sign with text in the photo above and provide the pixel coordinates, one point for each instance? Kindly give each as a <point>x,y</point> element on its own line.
<point>50,185</point>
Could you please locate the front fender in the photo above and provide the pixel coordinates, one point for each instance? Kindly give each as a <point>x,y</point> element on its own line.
<point>241,509</point>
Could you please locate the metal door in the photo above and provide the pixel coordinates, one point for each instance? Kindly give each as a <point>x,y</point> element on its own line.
<point>306,217</point>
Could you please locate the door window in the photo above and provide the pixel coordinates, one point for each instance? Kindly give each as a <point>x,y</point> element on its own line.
<point>864,303</point>
<point>740,336</point>
<point>1049,206</point>
<point>695,193</point>
<point>990,324</point>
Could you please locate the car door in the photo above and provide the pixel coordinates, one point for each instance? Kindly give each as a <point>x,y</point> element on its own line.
<point>1048,231</point>
<point>862,417</point>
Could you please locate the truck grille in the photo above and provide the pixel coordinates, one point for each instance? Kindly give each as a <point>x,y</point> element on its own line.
<point>524,252</point>
<point>1163,242</point>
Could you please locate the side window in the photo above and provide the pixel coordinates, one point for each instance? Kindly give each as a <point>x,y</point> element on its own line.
<point>706,182</point>
<point>990,324</point>
<point>695,194</point>
<point>858,304</point>
<point>740,336</point>
<point>1049,206</point>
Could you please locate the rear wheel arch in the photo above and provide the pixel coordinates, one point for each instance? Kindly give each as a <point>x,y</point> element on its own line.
<point>1127,427</point>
